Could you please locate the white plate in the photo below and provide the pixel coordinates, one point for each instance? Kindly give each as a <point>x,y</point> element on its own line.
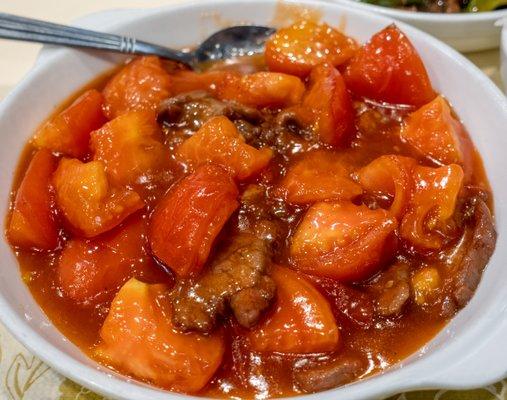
<point>470,352</point>
<point>463,31</point>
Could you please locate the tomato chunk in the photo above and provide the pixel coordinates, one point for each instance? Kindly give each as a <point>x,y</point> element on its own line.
<point>433,132</point>
<point>140,85</point>
<point>431,206</point>
<point>219,141</point>
<point>91,269</point>
<point>187,220</point>
<point>88,202</point>
<point>327,106</point>
<point>32,224</point>
<point>318,176</point>
<point>389,176</point>
<point>343,241</point>
<point>130,148</point>
<point>301,322</point>
<point>69,131</point>
<point>297,49</point>
<point>388,69</point>
<point>139,339</point>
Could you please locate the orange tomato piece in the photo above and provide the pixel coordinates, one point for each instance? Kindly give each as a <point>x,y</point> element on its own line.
<point>68,132</point>
<point>33,224</point>
<point>141,85</point>
<point>187,220</point>
<point>87,201</point>
<point>138,339</point>
<point>130,148</point>
<point>301,322</point>
<point>343,241</point>
<point>91,269</point>
<point>327,106</point>
<point>389,69</point>
<point>435,134</point>
<point>189,81</point>
<point>389,176</point>
<point>431,206</point>
<point>262,89</point>
<point>300,47</point>
<point>219,141</point>
<point>318,176</point>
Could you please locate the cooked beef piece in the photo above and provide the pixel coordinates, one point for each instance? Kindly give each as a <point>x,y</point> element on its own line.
<point>237,278</point>
<point>347,302</point>
<point>323,376</point>
<point>475,251</point>
<point>392,290</point>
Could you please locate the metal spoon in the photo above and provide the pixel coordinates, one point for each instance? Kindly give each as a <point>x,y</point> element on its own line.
<point>227,43</point>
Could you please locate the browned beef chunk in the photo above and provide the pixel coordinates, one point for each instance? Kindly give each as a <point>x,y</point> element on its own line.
<point>347,302</point>
<point>392,290</point>
<point>236,279</point>
<point>333,373</point>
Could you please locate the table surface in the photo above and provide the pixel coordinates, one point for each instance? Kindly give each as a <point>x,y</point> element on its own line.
<point>23,376</point>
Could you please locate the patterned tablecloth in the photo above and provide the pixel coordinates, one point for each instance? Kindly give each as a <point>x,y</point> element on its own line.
<point>23,376</point>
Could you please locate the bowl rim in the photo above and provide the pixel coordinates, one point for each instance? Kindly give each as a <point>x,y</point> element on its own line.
<point>104,382</point>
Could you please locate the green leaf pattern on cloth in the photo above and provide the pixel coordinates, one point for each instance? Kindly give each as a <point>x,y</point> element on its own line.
<point>24,377</point>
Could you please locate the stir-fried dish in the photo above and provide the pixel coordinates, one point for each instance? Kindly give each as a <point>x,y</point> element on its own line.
<point>442,6</point>
<point>277,225</point>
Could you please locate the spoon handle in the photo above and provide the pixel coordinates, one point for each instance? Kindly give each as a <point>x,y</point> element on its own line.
<point>32,30</point>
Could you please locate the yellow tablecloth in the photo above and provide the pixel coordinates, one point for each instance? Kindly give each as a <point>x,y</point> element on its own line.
<point>23,376</point>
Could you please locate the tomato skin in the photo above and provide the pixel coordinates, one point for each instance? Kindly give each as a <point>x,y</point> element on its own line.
<point>130,148</point>
<point>33,222</point>
<point>141,85</point>
<point>298,48</point>
<point>69,131</point>
<point>431,206</point>
<point>318,176</point>
<point>87,201</point>
<point>327,106</point>
<point>389,69</point>
<point>302,321</point>
<point>389,175</point>
<point>89,270</point>
<point>433,131</point>
<point>139,339</point>
<point>219,141</point>
<point>343,241</point>
<point>187,220</point>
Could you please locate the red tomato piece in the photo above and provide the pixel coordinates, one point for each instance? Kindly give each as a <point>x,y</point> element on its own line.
<point>327,106</point>
<point>389,176</point>
<point>69,131</point>
<point>219,141</point>
<point>343,241</point>
<point>141,85</point>
<point>262,89</point>
<point>91,269</point>
<point>435,134</point>
<point>300,47</point>
<point>130,148</point>
<point>318,176</point>
<point>388,69</point>
<point>187,220</point>
<point>139,339</point>
<point>302,321</point>
<point>87,201</point>
<point>32,224</point>
<point>431,206</point>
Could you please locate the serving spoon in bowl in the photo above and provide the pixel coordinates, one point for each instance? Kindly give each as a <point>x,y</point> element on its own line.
<point>225,44</point>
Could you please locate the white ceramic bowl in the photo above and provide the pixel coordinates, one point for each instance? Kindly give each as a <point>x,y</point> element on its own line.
<point>463,31</point>
<point>470,352</point>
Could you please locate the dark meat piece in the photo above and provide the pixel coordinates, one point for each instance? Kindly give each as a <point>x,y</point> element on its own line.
<point>392,290</point>
<point>476,249</point>
<point>323,376</point>
<point>347,303</point>
<point>236,278</point>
